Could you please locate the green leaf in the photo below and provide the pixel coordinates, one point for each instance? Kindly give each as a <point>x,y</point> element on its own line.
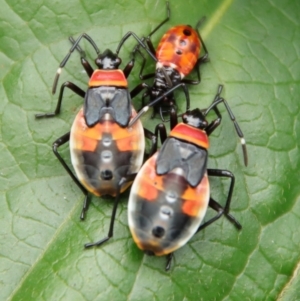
<point>254,52</point>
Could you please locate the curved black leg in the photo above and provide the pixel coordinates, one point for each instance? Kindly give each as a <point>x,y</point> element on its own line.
<point>220,211</point>
<point>134,92</point>
<point>215,123</point>
<point>66,58</point>
<point>158,99</point>
<point>140,42</point>
<point>169,261</point>
<point>128,68</point>
<point>72,87</point>
<point>151,50</point>
<point>141,75</point>
<point>238,130</point>
<point>204,58</point>
<point>56,144</point>
<point>163,22</point>
<point>129,178</point>
<point>87,67</point>
<point>151,136</point>
<point>78,48</point>
<point>201,60</point>
<point>216,206</point>
<point>84,62</point>
<point>222,173</point>
<point>160,130</point>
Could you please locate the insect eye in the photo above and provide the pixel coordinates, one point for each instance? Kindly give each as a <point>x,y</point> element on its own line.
<point>187,32</point>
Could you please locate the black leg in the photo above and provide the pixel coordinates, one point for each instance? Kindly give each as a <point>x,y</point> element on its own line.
<point>201,60</point>
<point>56,144</point>
<point>128,68</point>
<point>65,60</point>
<point>197,69</point>
<point>224,174</point>
<point>149,135</point>
<point>160,131</point>
<point>141,75</point>
<point>204,58</point>
<point>150,49</point>
<point>138,89</point>
<point>187,95</point>
<point>216,206</point>
<point>158,99</point>
<point>215,123</point>
<point>213,219</point>
<point>238,130</point>
<point>140,42</point>
<point>86,65</point>
<point>89,70</point>
<point>173,118</point>
<point>220,211</point>
<point>171,108</point>
<point>169,261</point>
<point>72,87</point>
<point>78,48</point>
<point>129,178</point>
<point>150,45</point>
<point>163,22</point>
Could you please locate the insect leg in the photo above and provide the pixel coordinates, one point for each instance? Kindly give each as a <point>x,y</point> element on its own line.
<point>129,178</point>
<point>56,144</point>
<point>72,87</point>
<point>216,206</point>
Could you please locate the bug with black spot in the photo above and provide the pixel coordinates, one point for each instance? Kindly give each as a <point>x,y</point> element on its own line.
<point>106,152</point>
<point>177,54</point>
<point>170,195</point>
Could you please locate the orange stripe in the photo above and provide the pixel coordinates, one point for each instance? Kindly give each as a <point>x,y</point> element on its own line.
<point>190,134</point>
<point>150,184</point>
<point>196,198</point>
<point>114,78</point>
<point>86,139</point>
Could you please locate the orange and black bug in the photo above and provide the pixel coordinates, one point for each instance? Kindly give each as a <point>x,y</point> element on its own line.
<point>177,54</point>
<point>170,195</point>
<point>106,153</point>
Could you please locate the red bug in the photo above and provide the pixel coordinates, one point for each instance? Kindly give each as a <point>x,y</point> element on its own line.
<point>171,193</point>
<point>179,48</point>
<point>106,153</point>
<point>177,54</point>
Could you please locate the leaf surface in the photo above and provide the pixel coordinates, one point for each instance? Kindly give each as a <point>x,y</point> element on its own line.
<point>254,50</point>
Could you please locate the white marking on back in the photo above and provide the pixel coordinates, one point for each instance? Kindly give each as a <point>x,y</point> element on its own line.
<point>106,156</point>
<point>171,196</point>
<point>106,141</point>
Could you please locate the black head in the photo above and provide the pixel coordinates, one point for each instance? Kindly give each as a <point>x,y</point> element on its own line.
<point>108,60</point>
<point>195,118</point>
